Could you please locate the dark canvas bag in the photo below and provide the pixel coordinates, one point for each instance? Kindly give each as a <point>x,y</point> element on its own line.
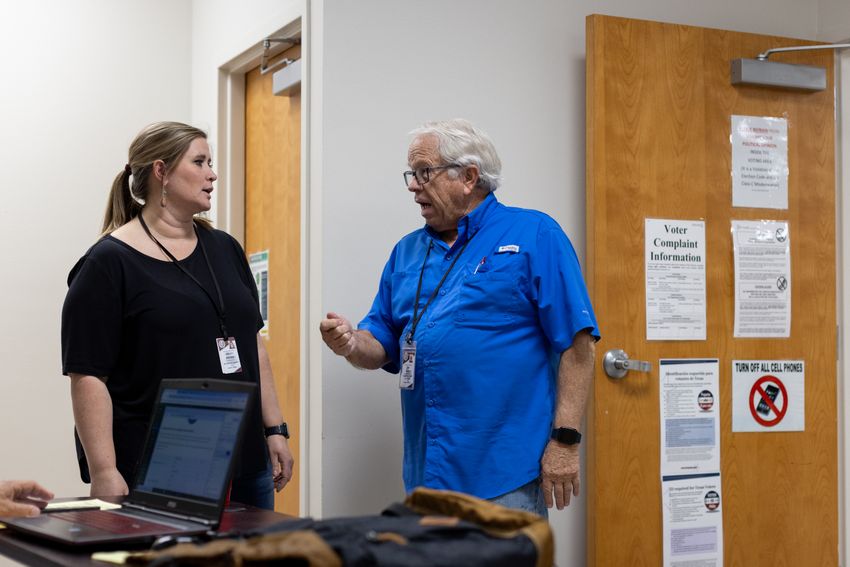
<point>432,528</point>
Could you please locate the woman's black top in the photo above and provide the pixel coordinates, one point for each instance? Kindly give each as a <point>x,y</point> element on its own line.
<point>137,320</point>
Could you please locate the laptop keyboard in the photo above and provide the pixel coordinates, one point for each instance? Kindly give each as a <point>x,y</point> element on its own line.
<point>111,522</point>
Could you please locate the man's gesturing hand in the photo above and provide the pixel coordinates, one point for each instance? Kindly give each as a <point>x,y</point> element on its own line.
<point>338,334</point>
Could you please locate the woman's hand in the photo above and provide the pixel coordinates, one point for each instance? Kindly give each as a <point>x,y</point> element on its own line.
<point>281,459</point>
<point>108,483</point>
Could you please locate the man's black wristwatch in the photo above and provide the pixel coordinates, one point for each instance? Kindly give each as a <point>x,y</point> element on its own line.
<point>281,429</point>
<point>566,435</point>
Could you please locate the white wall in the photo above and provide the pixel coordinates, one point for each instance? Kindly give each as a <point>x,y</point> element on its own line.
<point>79,80</point>
<point>515,69</point>
<point>833,20</point>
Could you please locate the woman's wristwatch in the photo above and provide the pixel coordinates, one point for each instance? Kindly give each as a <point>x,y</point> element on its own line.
<point>281,429</point>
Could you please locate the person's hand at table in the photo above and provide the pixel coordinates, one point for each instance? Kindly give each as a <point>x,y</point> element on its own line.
<point>22,498</point>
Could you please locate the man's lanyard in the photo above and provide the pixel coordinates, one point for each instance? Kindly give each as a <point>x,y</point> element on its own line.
<point>417,315</point>
<point>219,307</point>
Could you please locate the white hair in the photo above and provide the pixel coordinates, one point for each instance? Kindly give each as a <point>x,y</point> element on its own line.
<point>462,143</point>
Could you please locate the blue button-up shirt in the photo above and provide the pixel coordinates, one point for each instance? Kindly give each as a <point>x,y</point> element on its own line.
<point>487,348</point>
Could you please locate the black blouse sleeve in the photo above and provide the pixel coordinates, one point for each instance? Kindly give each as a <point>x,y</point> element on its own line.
<point>91,320</point>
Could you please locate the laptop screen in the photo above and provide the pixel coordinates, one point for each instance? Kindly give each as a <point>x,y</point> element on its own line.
<point>193,436</point>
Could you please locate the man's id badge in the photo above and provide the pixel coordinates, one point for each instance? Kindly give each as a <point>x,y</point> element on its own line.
<point>228,355</point>
<point>408,366</point>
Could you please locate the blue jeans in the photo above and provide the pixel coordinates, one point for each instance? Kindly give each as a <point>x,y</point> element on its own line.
<point>255,489</point>
<point>528,497</point>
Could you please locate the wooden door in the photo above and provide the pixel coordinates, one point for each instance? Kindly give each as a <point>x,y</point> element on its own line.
<point>659,103</point>
<point>273,223</point>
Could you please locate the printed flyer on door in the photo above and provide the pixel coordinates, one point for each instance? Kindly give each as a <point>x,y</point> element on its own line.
<point>693,521</point>
<point>690,416</point>
<point>768,395</point>
<point>675,279</point>
<point>759,162</point>
<point>259,264</point>
<point>762,252</point>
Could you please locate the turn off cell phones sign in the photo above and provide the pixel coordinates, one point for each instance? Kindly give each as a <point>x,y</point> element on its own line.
<point>768,395</point>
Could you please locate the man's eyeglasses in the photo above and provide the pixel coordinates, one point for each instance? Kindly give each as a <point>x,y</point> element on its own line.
<point>423,174</point>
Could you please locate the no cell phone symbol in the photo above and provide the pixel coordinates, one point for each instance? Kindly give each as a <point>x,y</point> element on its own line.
<point>768,400</point>
<point>781,283</point>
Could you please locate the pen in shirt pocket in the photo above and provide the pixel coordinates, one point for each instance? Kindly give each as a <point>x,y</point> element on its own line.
<point>481,263</point>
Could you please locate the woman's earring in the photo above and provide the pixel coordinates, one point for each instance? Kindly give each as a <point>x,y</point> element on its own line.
<point>163,197</point>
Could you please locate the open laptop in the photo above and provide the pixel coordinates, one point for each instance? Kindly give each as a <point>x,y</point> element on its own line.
<point>184,473</point>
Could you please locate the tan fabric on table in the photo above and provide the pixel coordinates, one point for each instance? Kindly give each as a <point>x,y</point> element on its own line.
<point>493,518</point>
<point>303,547</point>
<point>437,507</point>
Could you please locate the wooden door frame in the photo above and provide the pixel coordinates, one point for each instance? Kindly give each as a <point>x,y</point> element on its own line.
<point>230,216</point>
<point>842,183</point>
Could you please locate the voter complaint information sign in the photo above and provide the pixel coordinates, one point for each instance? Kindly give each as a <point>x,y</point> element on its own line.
<point>768,395</point>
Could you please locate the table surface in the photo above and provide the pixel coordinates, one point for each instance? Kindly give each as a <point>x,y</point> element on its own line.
<point>32,551</point>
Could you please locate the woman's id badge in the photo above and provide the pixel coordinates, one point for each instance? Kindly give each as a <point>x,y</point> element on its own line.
<point>228,355</point>
<point>408,366</point>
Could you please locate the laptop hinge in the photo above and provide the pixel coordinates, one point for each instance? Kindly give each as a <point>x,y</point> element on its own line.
<point>175,515</point>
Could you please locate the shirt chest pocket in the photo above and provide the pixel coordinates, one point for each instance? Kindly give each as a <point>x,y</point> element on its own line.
<point>488,300</point>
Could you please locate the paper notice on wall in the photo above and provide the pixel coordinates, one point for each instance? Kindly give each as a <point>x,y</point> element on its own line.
<point>759,162</point>
<point>762,252</point>
<point>259,264</point>
<point>675,279</point>
<point>690,416</point>
<point>692,510</point>
<point>768,395</point>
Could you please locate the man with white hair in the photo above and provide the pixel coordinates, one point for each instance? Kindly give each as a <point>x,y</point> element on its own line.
<point>485,316</point>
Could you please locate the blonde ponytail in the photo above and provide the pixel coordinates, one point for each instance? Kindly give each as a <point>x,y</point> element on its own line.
<point>121,207</point>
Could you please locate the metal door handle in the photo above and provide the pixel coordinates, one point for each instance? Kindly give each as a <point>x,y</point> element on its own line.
<point>617,364</point>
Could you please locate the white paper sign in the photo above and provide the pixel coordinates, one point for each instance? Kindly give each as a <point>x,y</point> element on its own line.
<point>759,162</point>
<point>690,416</point>
<point>259,263</point>
<point>768,395</point>
<point>692,509</point>
<point>675,279</point>
<point>762,278</point>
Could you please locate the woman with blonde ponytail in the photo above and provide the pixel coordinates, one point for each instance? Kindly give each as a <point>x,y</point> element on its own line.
<point>155,298</point>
